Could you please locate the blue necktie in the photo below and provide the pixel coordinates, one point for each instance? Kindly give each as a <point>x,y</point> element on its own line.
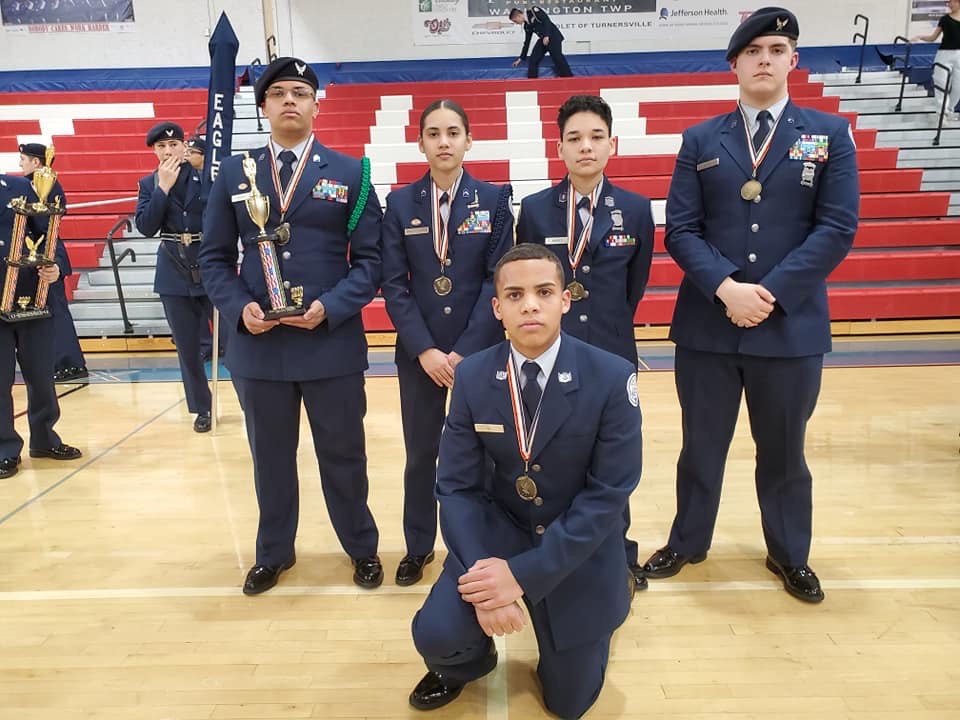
<point>287,159</point>
<point>765,119</point>
<point>578,225</point>
<point>531,392</point>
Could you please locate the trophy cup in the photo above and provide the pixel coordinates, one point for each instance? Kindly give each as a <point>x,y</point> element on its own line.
<point>28,308</point>
<point>258,207</point>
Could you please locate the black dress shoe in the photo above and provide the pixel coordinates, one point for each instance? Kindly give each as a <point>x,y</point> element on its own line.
<point>666,562</point>
<point>639,578</point>
<point>368,572</point>
<point>800,581</point>
<point>203,423</point>
<point>433,691</point>
<point>9,466</point>
<point>60,452</point>
<point>261,578</point>
<point>70,373</point>
<point>410,569</point>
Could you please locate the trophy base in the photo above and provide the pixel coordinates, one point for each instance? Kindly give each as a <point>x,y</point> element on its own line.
<point>38,262</point>
<point>288,311</point>
<point>29,313</point>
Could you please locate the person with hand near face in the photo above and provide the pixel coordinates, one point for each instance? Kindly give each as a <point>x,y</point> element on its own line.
<point>539,454</point>
<point>315,359</point>
<point>169,204</point>
<point>442,238</point>
<point>763,205</point>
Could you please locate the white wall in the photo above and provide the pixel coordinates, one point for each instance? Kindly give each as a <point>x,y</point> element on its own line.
<point>171,33</point>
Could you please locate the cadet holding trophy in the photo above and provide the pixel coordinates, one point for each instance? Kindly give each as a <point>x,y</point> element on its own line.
<point>26,327</point>
<point>309,221</point>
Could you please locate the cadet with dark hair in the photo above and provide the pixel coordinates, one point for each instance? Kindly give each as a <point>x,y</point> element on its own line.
<point>603,236</point>
<point>762,207</point>
<point>442,237</point>
<point>549,40</point>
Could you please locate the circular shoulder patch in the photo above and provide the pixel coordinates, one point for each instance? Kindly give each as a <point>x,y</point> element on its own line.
<point>632,394</point>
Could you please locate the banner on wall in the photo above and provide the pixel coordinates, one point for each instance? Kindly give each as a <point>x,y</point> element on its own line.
<point>59,16</point>
<point>470,22</point>
<point>924,16</point>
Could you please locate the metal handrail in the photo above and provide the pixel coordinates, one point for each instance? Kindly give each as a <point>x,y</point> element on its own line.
<point>946,94</point>
<point>905,71</point>
<point>272,52</point>
<point>862,36</point>
<point>253,63</point>
<point>115,261</point>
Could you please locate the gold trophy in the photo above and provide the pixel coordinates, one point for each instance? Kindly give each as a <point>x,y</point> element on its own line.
<point>44,180</point>
<point>258,208</point>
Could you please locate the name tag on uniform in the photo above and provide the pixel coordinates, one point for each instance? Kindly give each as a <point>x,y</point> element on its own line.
<point>239,197</point>
<point>620,240</point>
<point>488,428</point>
<point>416,230</point>
<point>331,190</point>
<point>811,147</point>
<point>707,164</point>
<point>559,240</point>
<point>478,221</point>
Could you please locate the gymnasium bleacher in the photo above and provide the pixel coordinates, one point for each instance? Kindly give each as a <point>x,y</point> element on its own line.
<point>905,264</point>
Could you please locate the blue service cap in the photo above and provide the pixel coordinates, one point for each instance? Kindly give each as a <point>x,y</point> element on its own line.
<point>164,131</point>
<point>284,68</point>
<point>37,150</point>
<point>765,21</point>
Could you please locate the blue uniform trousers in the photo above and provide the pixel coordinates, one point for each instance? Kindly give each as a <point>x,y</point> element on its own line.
<point>67,352</point>
<point>335,409</point>
<point>453,645</point>
<point>781,395</point>
<point>31,344</point>
<point>561,67</point>
<point>188,315</point>
<point>422,409</point>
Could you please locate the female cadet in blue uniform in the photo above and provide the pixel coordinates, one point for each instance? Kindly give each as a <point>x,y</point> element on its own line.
<point>605,247</point>
<point>549,40</point>
<point>442,238</point>
<point>316,359</point>
<point>30,343</point>
<point>68,362</point>
<point>169,203</point>
<point>762,207</point>
<point>539,454</point>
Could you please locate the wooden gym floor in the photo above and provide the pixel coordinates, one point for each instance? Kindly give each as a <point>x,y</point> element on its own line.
<point>120,573</point>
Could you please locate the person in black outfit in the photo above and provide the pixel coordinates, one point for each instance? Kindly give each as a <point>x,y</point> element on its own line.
<point>549,40</point>
<point>949,55</point>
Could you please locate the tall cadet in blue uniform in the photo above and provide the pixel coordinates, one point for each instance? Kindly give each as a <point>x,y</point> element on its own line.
<point>549,40</point>
<point>169,203</point>
<point>68,362</point>
<point>763,206</point>
<point>539,454</point>
<point>30,343</point>
<point>603,236</point>
<point>442,238</point>
<point>316,359</point>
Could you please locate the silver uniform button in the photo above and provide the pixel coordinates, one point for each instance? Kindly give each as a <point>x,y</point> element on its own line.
<point>447,310</point>
<point>539,529</point>
<point>448,262</point>
<point>286,284</point>
<point>586,268</point>
<point>583,318</point>
<point>538,501</point>
<point>586,294</point>
<point>752,257</point>
<point>756,199</point>
<point>286,254</point>
<point>536,468</point>
<point>754,228</point>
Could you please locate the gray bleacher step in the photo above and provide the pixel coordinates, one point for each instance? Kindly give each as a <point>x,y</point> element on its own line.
<point>944,175</point>
<point>109,292</point>
<point>878,90</point>
<point>151,311</point>
<point>949,187</point>
<point>866,106</point>
<point>903,121</point>
<point>114,328</point>
<point>936,156</point>
<point>136,276</point>
<point>849,77</point>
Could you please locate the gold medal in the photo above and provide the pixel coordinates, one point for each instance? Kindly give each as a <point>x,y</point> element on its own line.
<point>577,291</point>
<point>751,189</point>
<point>442,285</point>
<point>526,487</point>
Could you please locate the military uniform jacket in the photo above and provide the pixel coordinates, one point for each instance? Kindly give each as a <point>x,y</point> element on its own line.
<point>539,23</point>
<point>565,548</point>
<point>463,320</point>
<point>342,272</point>
<point>615,265</point>
<point>789,241</point>
<point>11,188</point>
<point>180,211</point>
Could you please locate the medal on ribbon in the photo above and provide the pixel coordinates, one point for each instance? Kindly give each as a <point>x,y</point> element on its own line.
<point>577,245</point>
<point>287,195</point>
<point>752,188</point>
<point>525,485</point>
<point>442,285</point>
